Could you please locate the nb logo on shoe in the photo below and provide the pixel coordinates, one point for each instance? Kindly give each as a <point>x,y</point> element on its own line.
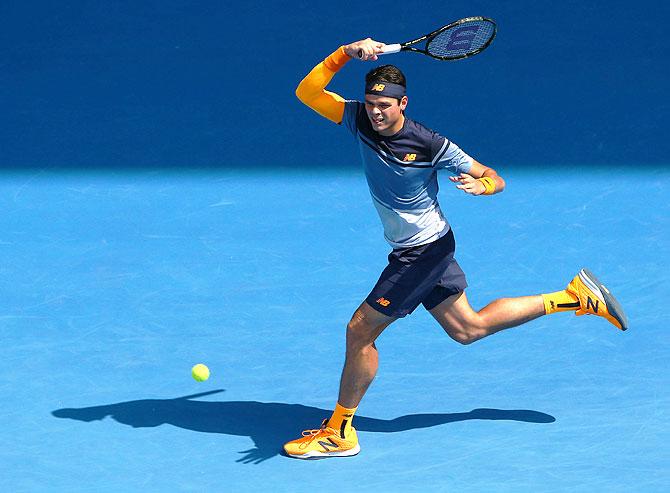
<point>378,87</point>
<point>409,157</point>
<point>591,305</point>
<point>383,302</point>
<point>329,443</point>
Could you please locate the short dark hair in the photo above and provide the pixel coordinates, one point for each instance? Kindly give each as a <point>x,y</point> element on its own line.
<point>386,73</point>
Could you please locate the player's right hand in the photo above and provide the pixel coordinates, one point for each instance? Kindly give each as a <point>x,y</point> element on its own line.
<point>365,49</point>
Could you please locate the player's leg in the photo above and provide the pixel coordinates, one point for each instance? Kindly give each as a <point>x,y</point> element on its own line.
<point>410,275</point>
<point>465,325</point>
<point>449,305</point>
<point>362,361</point>
<point>336,437</point>
<point>585,295</point>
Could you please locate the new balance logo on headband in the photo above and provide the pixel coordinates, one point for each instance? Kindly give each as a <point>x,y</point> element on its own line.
<point>388,89</point>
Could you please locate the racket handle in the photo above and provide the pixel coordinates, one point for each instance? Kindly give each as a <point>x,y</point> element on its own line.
<point>386,50</point>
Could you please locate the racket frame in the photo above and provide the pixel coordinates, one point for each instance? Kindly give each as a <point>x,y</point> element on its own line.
<point>406,46</point>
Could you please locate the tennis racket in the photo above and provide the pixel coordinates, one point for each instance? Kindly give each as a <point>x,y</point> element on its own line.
<point>460,39</point>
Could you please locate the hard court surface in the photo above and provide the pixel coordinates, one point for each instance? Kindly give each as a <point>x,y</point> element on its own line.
<point>115,283</point>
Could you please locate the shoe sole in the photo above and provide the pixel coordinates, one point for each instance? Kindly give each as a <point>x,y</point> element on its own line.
<point>599,289</point>
<point>315,454</point>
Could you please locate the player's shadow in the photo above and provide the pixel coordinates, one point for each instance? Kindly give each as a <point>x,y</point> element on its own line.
<point>268,424</point>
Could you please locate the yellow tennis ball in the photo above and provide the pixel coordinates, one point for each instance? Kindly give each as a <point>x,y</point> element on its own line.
<point>200,372</point>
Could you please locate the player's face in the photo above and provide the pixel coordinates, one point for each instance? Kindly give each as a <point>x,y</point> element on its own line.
<point>385,114</point>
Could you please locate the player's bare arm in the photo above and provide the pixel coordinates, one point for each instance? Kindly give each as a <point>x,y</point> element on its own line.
<point>480,180</point>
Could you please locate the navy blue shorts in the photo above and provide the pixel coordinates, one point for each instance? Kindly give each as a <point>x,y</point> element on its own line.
<point>426,274</point>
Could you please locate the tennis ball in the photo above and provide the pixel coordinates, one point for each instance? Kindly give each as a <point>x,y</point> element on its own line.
<point>200,372</point>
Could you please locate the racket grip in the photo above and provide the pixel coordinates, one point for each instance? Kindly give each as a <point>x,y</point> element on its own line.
<point>386,50</point>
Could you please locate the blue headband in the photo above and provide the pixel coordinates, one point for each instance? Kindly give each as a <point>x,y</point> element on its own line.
<point>387,89</point>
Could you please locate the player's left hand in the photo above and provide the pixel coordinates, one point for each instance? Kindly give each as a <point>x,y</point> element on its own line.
<point>469,184</point>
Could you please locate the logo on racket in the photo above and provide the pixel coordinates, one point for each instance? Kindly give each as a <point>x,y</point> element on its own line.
<point>462,38</point>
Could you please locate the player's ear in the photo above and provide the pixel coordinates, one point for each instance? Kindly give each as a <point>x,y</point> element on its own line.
<point>403,103</point>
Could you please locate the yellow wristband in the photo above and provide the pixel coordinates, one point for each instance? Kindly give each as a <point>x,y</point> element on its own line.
<point>489,184</point>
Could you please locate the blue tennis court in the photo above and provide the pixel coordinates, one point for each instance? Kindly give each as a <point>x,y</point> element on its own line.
<point>115,284</point>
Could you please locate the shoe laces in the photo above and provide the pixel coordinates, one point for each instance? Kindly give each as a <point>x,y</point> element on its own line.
<point>314,434</point>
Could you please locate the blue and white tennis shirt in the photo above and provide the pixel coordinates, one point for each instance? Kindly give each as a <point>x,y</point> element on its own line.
<point>401,171</point>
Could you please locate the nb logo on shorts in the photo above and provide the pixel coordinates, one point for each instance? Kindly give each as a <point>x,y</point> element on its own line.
<point>378,87</point>
<point>409,157</point>
<point>383,302</point>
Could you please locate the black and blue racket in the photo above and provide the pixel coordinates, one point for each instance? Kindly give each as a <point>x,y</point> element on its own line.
<point>460,39</point>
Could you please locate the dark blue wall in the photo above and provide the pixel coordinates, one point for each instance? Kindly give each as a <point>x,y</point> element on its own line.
<point>210,83</point>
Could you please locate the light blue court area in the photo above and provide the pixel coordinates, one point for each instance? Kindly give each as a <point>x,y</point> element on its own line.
<point>115,283</point>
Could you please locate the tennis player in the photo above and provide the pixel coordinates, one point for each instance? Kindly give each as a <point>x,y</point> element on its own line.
<point>401,158</point>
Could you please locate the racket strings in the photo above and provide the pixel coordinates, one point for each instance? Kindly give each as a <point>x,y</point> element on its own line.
<point>462,40</point>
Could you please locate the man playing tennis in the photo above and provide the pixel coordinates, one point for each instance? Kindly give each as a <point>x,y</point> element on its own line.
<point>401,159</point>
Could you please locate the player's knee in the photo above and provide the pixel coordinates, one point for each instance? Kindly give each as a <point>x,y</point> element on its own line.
<point>359,334</point>
<point>463,338</point>
<point>466,333</point>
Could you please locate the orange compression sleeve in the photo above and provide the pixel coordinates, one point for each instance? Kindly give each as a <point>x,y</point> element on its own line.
<point>312,89</point>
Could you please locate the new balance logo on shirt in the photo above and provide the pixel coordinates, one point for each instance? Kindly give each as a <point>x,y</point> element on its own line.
<point>383,301</point>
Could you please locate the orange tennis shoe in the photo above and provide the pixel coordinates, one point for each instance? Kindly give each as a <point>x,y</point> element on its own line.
<point>322,443</point>
<point>596,299</point>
